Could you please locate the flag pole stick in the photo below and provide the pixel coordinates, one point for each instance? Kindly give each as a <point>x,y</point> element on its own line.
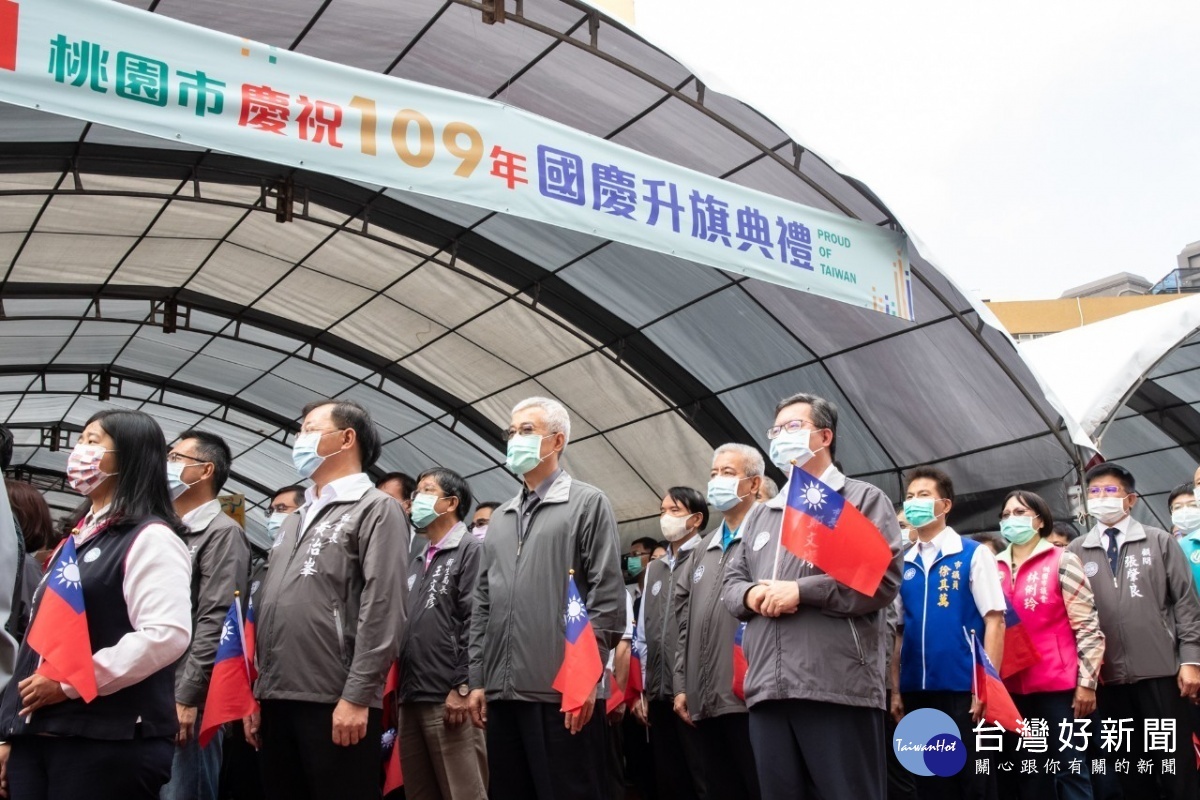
<point>779,539</point>
<point>974,672</point>
<point>241,631</point>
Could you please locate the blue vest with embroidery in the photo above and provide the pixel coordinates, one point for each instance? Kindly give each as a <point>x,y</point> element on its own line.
<point>938,607</point>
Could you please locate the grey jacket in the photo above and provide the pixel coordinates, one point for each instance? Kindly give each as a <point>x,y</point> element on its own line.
<point>832,648</point>
<point>1149,612</point>
<point>518,626</point>
<point>332,604</point>
<point>220,566</point>
<point>660,623</point>
<point>433,649</point>
<point>704,661</point>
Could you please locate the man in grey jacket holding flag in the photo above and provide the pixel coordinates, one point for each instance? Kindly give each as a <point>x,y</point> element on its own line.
<point>815,646</point>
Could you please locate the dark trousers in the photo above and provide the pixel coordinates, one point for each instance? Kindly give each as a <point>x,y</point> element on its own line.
<point>532,755</point>
<point>241,777</point>
<point>70,767</point>
<point>639,759</point>
<point>299,759</point>
<point>678,763</point>
<point>900,784</point>
<point>1153,698</point>
<point>729,768</point>
<point>808,750</point>
<point>1054,707</point>
<point>968,783</point>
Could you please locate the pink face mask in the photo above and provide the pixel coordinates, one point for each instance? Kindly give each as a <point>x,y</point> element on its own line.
<point>83,468</point>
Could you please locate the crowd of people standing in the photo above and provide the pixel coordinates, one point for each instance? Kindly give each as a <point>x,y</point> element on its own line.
<point>403,613</point>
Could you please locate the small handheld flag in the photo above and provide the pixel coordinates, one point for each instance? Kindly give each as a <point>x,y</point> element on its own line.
<point>820,527</point>
<point>581,668</point>
<point>393,775</point>
<point>229,695</point>
<point>616,695</point>
<point>989,689</point>
<point>251,615</point>
<point>59,631</point>
<point>1019,650</point>
<point>739,663</point>
<point>636,684</point>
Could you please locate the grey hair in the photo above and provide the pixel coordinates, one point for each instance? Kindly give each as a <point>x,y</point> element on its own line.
<point>824,413</point>
<point>557,418</point>
<point>751,455</point>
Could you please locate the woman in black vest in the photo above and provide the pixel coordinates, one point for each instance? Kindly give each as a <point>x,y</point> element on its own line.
<point>135,573</point>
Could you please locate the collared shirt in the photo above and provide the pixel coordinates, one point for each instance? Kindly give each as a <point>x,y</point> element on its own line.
<point>530,500</point>
<point>1122,529</point>
<point>349,488</point>
<point>156,566</point>
<point>672,555</point>
<point>202,516</point>
<point>985,585</point>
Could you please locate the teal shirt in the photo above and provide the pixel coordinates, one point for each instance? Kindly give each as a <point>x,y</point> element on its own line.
<point>726,536</point>
<point>1191,548</point>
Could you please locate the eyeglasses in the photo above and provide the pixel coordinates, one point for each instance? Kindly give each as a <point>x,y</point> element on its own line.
<point>305,431</point>
<point>528,429</point>
<point>793,426</point>
<point>1106,491</point>
<point>280,508</point>
<point>1017,512</point>
<point>175,458</point>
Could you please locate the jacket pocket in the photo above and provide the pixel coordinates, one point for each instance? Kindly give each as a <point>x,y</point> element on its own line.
<point>862,658</point>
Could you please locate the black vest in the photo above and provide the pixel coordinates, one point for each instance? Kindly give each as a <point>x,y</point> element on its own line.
<point>145,709</point>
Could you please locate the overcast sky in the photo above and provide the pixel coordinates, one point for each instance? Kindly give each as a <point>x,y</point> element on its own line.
<point>1029,146</point>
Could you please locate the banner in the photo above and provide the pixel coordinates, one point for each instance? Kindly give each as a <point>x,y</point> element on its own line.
<point>109,63</point>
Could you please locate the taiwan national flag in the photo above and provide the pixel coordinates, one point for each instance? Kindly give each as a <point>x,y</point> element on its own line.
<point>819,526</point>
<point>229,695</point>
<point>635,685</point>
<point>250,624</point>
<point>581,668</point>
<point>1019,650</point>
<point>739,663</point>
<point>998,703</point>
<point>59,632</point>
<point>393,775</point>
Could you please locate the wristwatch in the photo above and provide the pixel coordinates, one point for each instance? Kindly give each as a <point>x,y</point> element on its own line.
<point>463,690</point>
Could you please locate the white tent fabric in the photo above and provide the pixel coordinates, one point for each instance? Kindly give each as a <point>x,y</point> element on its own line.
<point>1133,383</point>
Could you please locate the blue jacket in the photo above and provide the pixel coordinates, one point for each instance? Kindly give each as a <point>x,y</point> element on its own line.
<point>938,607</point>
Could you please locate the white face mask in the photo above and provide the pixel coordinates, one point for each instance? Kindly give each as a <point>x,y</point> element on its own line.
<point>788,449</point>
<point>1186,519</point>
<point>1107,510</point>
<point>673,528</point>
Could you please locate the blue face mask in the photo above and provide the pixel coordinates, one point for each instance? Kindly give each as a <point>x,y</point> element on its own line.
<point>305,457</point>
<point>722,492</point>
<point>423,512</point>
<point>175,481</point>
<point>524,453</point>
<point>919,511</point>
<point>274,521</point>
<point>787,448</point>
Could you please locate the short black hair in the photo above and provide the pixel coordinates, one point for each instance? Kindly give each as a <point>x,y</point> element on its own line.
<point>1036,504</point>
<point>452,485</point>
<point>1067,529</point>
<point>945,486</point>
<point>991,539</point>
<point>212,448</point>
<point>1179,491</point>
<point>492,504</point>
<point>349,414</point>
<point>692,500</point>
<point>824,414</point>
<point>645,542</point>
<point>297,493</point>
<point>1111,469</point>
<point>407,484</point>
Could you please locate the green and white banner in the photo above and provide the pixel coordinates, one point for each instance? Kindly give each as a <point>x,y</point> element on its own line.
<point>120,66</point>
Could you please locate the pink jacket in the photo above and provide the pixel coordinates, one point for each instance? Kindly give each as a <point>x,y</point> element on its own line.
<point>1037,598</point>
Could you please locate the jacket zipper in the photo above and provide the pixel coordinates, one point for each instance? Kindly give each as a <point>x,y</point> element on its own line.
<point>862,659</point>
<point>341,634</point>
<point>660,667</point>
<point>924,618</point>
<point>705,672</point>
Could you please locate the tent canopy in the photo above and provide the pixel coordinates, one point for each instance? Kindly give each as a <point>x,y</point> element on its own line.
<point>149,274</point>
<point>1133,383</point>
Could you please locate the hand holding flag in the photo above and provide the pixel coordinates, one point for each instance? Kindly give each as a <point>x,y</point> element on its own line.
<point>581,667</point>
<point>229,694</point>
<point>1019,650</point>
<point>998,705</point>
<point>59,631</point>
<point>820,527</point>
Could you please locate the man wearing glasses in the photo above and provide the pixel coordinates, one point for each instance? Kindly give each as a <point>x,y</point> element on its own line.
<point>815,684</point>
<point>197,467</point>
<point>1150,617</point>
<point>554,525</point>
